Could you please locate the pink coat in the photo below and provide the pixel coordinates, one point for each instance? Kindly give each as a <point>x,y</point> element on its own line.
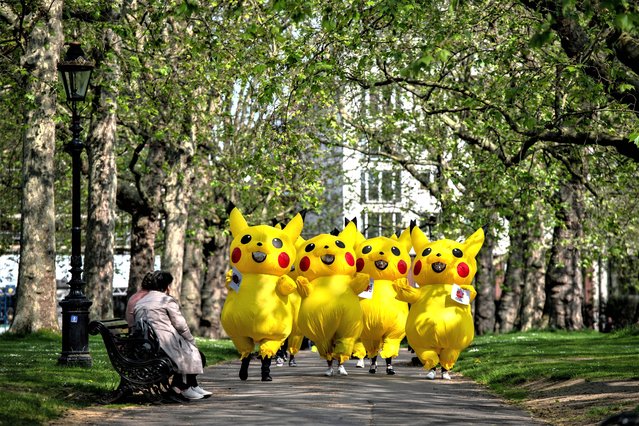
<point>163,313</point>
<point>130,306</point>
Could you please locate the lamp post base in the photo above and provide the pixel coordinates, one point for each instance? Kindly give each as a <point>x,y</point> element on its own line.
<point>75,332</point>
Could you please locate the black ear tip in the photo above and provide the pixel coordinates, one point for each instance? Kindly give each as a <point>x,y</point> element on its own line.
<point>229,207</point>
<point>335,232</point>
<point>303,213</point>
<point>485,228</point>
<point>346,221</point>
<point>413,224</point>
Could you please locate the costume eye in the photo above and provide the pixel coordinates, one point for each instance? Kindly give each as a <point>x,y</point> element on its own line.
<point>245,239</point>
<point>426,251</point>
<point>309,248</point>
<point>277,243</point>
<point>367,249</point>
<point>457,252</point>
<point>340,244</point>
<point>395,251</point>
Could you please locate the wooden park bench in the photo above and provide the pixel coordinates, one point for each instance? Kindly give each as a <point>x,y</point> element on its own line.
<point>143,367</point>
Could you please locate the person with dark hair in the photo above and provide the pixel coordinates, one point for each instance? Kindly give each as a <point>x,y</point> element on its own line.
<point>162,313</point>
<point>147,283</point>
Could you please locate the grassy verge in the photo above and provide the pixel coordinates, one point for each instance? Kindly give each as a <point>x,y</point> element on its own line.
<point>509,363</point>
<point>34,389</point>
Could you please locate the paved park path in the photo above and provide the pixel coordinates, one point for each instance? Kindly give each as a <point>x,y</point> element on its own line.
<point>303,395</point>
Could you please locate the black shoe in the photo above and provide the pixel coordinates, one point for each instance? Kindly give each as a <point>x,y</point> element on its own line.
<point>389,370</point>
<point>292,363</point>
<point>267,378</point>
<point>373,369</point>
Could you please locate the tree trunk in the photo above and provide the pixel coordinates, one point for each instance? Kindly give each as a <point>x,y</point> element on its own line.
<point>102,191</point>
<point>533,294</point>
<point>564,281</point>
<point>142,203</point>
<point>36,303</point>
<point>216,253</point>
<point>191,299</point>
<point>510,301</point>
<point>485,285</point>
<point>177,199</point>
<point>144,229</point>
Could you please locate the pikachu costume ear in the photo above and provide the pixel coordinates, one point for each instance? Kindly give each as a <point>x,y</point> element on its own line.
<point>349,234</point>
<point>294,228</point>
<point>237,222</point>
<point>405,239</point>
<point>417,236</point>
<point>474,243</point>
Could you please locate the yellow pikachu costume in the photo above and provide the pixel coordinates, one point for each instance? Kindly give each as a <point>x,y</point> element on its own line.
<point>385,260</point>
<point>440,322</point>
<point>257,309</point>
<point>330,314</point>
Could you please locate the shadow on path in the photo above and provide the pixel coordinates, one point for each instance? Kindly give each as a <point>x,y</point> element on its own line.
<point>304,394</point>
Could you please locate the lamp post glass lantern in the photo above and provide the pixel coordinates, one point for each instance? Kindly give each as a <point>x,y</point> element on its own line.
<point>75,71</point>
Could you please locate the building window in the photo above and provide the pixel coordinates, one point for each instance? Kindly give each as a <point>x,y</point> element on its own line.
<point>378,224</point>
<point>381,186</point>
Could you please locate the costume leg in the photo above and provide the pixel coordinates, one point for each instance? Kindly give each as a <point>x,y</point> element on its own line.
<point>269,348</point>
<point>373,368</point>
<point>448,358</point>
<point>244,368</point>
<point>244,345</point>
<point>428,357</point>
<point>266,369</point>
<point>389,366</point>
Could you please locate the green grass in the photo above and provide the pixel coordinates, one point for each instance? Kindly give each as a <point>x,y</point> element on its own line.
<point>35,390</point>
<point>505,362</point>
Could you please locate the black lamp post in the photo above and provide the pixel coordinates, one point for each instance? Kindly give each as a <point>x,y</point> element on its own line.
<point>75,71</point>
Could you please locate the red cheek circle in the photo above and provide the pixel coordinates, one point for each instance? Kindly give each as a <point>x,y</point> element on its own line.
<point>305,263</point>
<point>349,259</point>
<point>283,260</point>
<point>360,265</point>
<point>463,270</point>
<point>417,268</point>
<point>237,254</point>
<point>402,267</point>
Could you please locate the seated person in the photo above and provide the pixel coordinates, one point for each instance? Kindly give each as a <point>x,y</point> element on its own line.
<point>147,281</point>
<point>162,312</point>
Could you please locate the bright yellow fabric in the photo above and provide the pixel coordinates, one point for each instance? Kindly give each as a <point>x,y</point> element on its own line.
<point>439,328</point>
<point>260,312</point>
<point>384,260</point>
<point>330,314</point>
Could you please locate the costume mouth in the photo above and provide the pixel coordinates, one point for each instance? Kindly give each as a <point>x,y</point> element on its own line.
<point>381,264</point>
<point>258,256</point>
<point>439,267</point>
<point>328,259</point>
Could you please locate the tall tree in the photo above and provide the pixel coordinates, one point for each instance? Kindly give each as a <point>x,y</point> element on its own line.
<point>40,25</point>
<point>101,217</point>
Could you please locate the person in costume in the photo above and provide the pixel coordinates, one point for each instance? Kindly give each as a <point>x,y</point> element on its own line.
<point>258,309</point>
<point>440,322</point>
<point>384,260</point>
<point>330,314</point>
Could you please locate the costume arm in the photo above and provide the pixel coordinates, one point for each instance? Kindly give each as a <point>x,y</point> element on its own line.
<point>360,282</point>
<point>405,292</point>
<point>303,286</point>
<point>228,279</point>
<point>285,285</point>
<point>473,292</point>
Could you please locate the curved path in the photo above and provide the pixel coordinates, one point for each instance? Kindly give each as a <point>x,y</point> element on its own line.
<point>303,394</point>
